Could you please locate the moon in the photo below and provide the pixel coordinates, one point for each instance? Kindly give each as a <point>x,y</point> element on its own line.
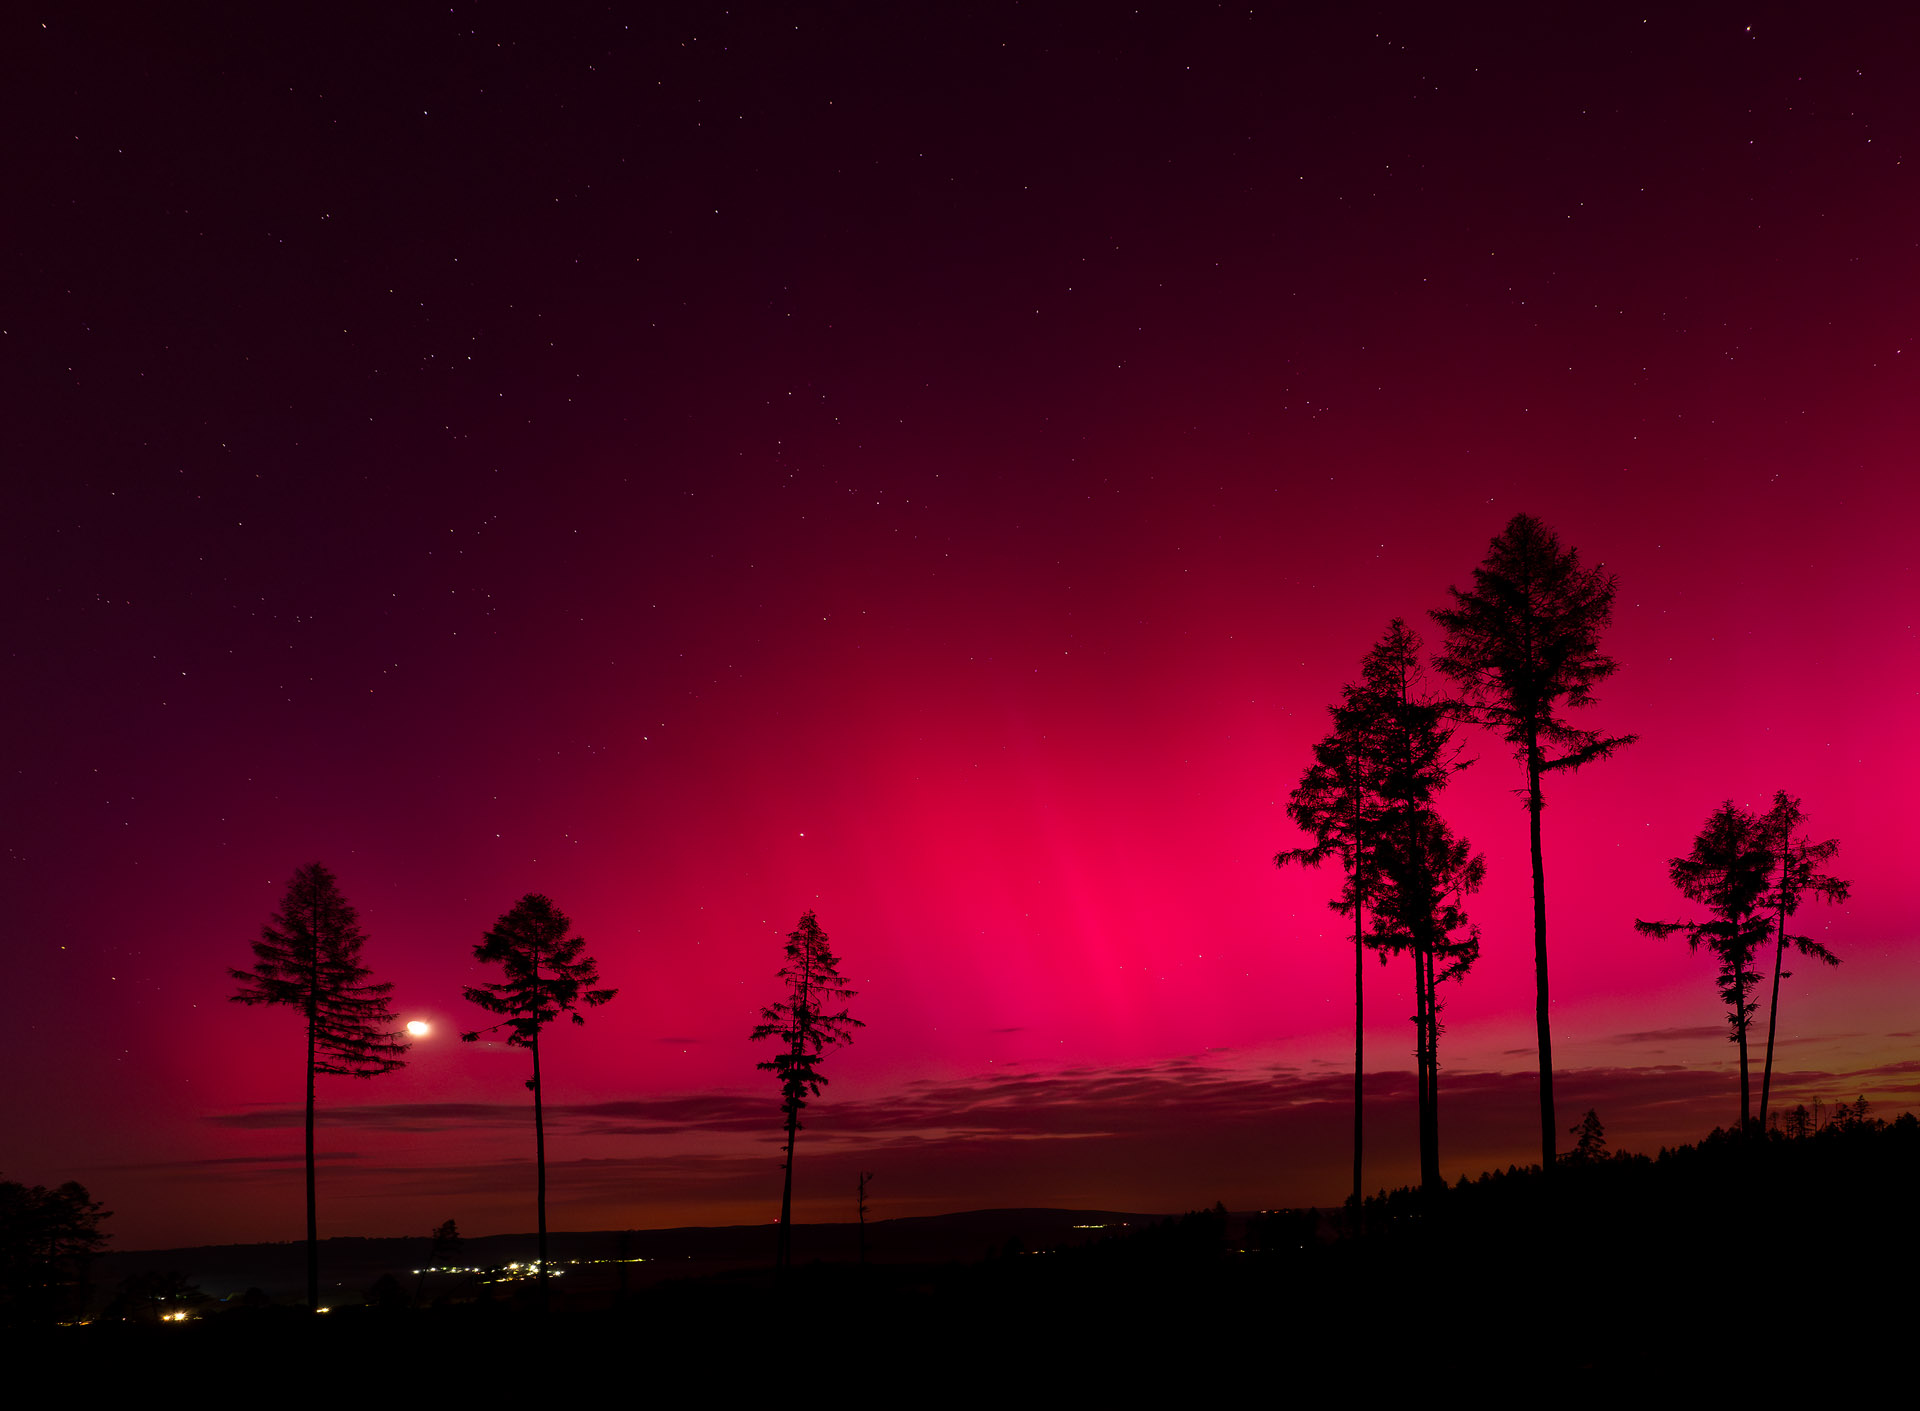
<point>419,1028</point>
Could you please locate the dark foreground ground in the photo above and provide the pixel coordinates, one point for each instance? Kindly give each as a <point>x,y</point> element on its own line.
<point>1737,1263</point>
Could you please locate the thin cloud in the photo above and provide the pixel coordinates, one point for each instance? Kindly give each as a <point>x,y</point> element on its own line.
<point>1170,1136</point>
<point>1657,1036</point>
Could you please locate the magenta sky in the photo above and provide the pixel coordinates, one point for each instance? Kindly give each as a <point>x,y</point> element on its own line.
<point>938,479</point>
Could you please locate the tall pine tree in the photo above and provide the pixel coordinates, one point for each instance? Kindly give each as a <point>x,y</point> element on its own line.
<point>308,958</point>
<point>807,1024</point>
<point>1422,872</point>
<point>1337,804</point>
<point>545,973</point>
<point>1523,645</point>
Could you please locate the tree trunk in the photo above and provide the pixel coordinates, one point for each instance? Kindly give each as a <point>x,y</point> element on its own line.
<point>1430,1085</point>
<point>1773,1015</point>
<point>1746,1104</point>
<point>539,1135</point>
<point>1359,1068</point>
<point>1432,1174</point>
<point>313,1215</point>
<point>1542,1022</point>
<point>1420,1059</point>
<point>783,1255</point>
<point>1779,958</point>
<point>540,1165</point>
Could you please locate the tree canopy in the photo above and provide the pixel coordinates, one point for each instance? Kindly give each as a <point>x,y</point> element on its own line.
<point>308,958</point>
<point>805,1022</point>
<point>544,972</point>
<point>1523,645</point>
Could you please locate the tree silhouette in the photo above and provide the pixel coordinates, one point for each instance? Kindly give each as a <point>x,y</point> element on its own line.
<point>1422,872</point>
<point>1427,875</point>
<point>1798,860</point>
<point>545,973</point>
<point>865,1176</point>
<point>807,1025</point>
<point>1726,872</point>
<point>308,958</point>
<point>445,1245</point>
<point>1337,803</point>
<point>47,1242</point>
<point>1590,1139</point>
<point>1523,646</point>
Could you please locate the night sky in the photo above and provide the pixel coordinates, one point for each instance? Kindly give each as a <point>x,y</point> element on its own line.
<point>935,469</point>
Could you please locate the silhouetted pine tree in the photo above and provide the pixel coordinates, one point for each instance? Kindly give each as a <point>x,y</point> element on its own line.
<point>1422,873</point>
<point>1523,645</point>
<point>1797,859</point>
<point>1590,1139</point>
<point>1337,803</point>
<point>545,973</point>
<point>308,958</point>
<point>807,1025</point>
<point>1726,872</point>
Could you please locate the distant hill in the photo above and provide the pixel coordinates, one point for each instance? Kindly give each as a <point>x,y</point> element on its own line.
<point>350,1265</point>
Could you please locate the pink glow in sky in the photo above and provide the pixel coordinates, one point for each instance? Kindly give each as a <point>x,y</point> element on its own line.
<point>956,525</point>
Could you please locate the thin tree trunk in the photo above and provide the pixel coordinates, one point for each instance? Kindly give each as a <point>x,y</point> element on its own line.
<point>783,1256</point>
<point>802,1003</point>
<point>313,1205</point>
<point>1429,1050</point>
<point>1359,1068</point>
<point>1420,1059</point>
<point>1746,1104</point>
<point>1542,1022</point>
<point>1779,958</point>
<point>540,1164</point>
<point>1433,1076</point>
<point>1773,1015</point>
<point>1424,1082</point>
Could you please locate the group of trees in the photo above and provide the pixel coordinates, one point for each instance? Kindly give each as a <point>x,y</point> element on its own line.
<point>1370,798</point>
<point>1522,649</point>
<point>310,958</point>
<point>1803,1121</point>
<point>1751,871</point>
<point>48,1237</point>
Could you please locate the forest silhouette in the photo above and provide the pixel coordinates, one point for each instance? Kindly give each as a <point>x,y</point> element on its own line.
<point>1522,649</point>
